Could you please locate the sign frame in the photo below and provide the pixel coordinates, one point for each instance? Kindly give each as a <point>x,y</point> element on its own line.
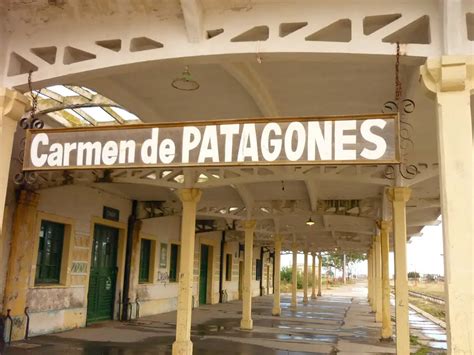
<point>257,120</point>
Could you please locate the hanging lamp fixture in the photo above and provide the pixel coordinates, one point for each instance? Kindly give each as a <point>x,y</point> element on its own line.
<point>310,222</point>
<point>185,82</point>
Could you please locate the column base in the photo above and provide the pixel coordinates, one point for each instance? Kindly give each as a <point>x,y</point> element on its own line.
<point>386,340</point>
<point>305,300</point>
<point>182,347</point>
<point>246,324</point>
<point>276,311</point>
<point>19,328</point>
<point>319,294</point>
<point>293,306</point>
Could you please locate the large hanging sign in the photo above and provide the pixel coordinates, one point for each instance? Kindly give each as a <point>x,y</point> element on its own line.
<point>267,141</point>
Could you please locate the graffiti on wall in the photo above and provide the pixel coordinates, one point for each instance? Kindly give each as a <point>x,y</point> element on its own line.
<point>163,277</point>
<point>79,268</point>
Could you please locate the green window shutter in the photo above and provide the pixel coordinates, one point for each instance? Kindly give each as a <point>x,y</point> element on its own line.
<point>144,270</point>
<point>173,276</point>
<point>50,250</point>
<point>228,267</point>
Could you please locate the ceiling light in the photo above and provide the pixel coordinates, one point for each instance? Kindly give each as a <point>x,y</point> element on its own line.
<point>310,222</point>
<point>185,82</point>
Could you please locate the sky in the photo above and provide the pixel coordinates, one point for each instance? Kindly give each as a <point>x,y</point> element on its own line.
<point>424,254</point>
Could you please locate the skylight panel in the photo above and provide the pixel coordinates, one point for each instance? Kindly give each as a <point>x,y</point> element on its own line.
<point>98,114</point>
<point>62,90</point>
<point>127,116</point>
<point>77,115</point>
<point>90,90</point>
<point>40,95</point>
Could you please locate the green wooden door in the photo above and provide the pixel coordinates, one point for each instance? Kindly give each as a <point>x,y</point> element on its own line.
<point>103,274</point>
<point>203,274</point>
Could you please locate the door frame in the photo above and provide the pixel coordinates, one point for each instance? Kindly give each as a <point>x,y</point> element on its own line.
<point>121,246</point>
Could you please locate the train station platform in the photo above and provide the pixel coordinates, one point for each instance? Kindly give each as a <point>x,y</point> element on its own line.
<point>338,322</point>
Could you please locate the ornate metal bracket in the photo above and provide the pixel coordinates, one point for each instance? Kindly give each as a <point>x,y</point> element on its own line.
<point>404,108</point>
<point>28,121</point>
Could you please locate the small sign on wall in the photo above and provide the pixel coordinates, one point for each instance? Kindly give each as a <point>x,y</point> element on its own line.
<point>163,255</point>
<point>110,213</point>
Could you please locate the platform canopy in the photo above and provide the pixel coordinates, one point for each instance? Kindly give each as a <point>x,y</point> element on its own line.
<point>343,64</point>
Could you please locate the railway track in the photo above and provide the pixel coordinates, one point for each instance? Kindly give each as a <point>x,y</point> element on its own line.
<point>426,297</point>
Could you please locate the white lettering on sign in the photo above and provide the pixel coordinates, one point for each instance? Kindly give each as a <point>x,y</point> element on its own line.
<point>38,160</point>
<point>269,141</point>
<point>379,142</point>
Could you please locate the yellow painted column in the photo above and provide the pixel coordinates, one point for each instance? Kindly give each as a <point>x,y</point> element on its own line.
<point>451,78</point>
<point>24,235</point>
<point>374,280</point>
<point>399,196</point>
<point>246,322</point>
<point>294,276</point>
<point>369,277</point>
<point>320,271</point>
<point>378,279</point>
<point>313,275</point>
<point>276,311</point>
<point>12,107</point>
<point>385,249</point>
<point>189,198</point>
<point>305,278</point>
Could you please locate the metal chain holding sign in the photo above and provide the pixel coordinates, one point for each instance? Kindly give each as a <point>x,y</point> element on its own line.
<point>29,121</point>
<point>404,107</point>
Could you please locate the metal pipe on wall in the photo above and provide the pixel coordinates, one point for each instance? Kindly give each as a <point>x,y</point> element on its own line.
<point>261,271</point>
<point>221,268</point>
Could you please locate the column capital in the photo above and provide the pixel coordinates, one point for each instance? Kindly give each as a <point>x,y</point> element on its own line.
<point>249,224</point>
<point>189,195</point>
<point>448,73</point>
<point>28,198</point>
<point>13,104</point>
<point>397,194</point>
<point>384,225</point>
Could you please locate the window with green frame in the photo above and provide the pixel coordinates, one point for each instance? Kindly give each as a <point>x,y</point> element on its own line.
<point>50,250</point>
<point>174,260</point>
<point>258,269</point>
<point>228,267</point>
<point>144,269</point>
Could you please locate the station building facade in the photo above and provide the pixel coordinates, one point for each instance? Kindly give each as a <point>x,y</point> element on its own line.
<point>72,249</point>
